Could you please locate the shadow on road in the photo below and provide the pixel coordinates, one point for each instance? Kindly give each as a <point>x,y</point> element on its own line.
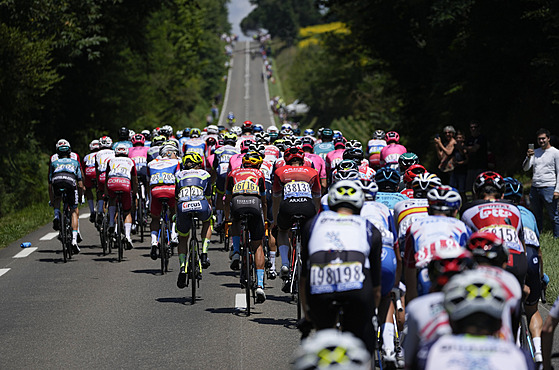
<point>148,271</point>
<point>224,273</point>
<point>179,300</point>
<point>228,310</point>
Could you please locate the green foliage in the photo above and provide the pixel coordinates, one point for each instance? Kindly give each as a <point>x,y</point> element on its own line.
<point>23,221</point>
<point>549,247</point>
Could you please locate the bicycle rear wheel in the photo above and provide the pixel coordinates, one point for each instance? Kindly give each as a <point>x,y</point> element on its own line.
<point>118,234</point>
<point>163,246</point>
<point>64,237</point>
<point>194,268</point>
<point>248,270</point>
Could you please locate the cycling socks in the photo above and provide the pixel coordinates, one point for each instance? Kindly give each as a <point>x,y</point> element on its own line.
<point>57,213</point>
<point>273,259</point>
<point>112,213</point>
<point>74,236</point>
<point>537,344</point>
<point>127,229</point>
<point>91,205</point>
<point>260,277</point>
<point>388,336</point>
<point>205,245</point>
<point>236,244</point>
<point>182,260</point>
<point>284,252</point>
<point>154,235</point>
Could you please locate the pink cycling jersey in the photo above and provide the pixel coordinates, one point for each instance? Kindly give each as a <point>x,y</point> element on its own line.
<point>390,154</point>
<point>235,161</point>
<point>319,164</point>
<point>333,158</point>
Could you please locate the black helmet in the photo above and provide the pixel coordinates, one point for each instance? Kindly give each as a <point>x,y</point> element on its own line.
<point>123,134</point>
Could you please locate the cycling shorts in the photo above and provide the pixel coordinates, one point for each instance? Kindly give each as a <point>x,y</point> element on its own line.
<point>269,202</point>
<point>122,185</point>
<point>358,308</point>
<point>220,183</point>
<point>201,208</point>
<point>68,185</point>
<point>533,279</point>
<point>159,192</point>
<point>90,178</point>
<point>518,266</point>
<point>294,206</point>
<point>388,267</point>
<point>249,204</point>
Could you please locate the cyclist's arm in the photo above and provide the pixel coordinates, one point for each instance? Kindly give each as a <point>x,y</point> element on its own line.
<point>375,262</point>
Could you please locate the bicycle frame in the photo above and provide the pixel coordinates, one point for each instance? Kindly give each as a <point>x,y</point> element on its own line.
<point>164,234</point>
<point>193,258</point>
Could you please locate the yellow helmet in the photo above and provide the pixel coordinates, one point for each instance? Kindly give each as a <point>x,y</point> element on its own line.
<point>191,160</point>
<point>252,159</point>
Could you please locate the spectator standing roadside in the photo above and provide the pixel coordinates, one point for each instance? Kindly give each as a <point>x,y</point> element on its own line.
<point>445,152</point>
<point>458,176</point>
<point>544,162</point>
<point>476,145</point>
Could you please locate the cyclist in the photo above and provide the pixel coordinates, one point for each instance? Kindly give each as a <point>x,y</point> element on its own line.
<point>388,179</point>
<point>195,144</point>
<point>356,154</point>
<point>439,230</point>
<point>121,176</point>
<point>534,275</point>
<point>236,160</point>
<point>346,248</point>
<point>153,151</point>
<point>411,173</point>
<point>374,147</point>
<point>89,179</point>
<point>490,213</point>
<point>161,175</point>
<point>193,194</point>
<point>390,154</point>
<point>491,255</point>
<point>231,119</point>
<point>220,167</point>
<point>246,194</point>
<point>65,173</point>
<point>318,162</point>
<point>139,153</point>
<point>296,191</point>
<point>335,156</point>
<point>123,138</point>
<point>325,145</point>
<point>101,159</point>
<point>426,318</point>
<point>475,303</point>
<point>147,136</point>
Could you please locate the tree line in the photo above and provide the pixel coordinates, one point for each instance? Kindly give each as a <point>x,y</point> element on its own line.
<point>79,69</point>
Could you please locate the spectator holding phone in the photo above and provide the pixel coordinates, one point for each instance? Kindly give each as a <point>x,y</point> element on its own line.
<point>544,162</point>
<point>445,152</point>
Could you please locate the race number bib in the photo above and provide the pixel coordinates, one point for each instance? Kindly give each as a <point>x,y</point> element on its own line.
<point>507,234</point>
<point>191,206</point>
<point>119,171</point>
<point>336,277</point>
<point>392,158</point>
<point>162,178</point>
<point>297,189</point>
<point>191,193</point>
<point>530,237</point>
<point>425,254</point>
<point>245,187</point>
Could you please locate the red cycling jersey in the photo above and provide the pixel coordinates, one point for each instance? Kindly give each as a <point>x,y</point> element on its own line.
<point>296,174</point>
<point>245,181</point>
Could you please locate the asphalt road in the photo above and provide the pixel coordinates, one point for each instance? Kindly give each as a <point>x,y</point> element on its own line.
<point>94,312</point>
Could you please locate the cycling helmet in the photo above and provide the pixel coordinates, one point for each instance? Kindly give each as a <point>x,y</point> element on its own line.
<point>230,116</point>
<point>138,139</point>
<point>178,134</point>
<point>258,128</point>
<point>355,154</point>
<point>331,348</point>
<point>247,126</point>
<point>166,131</point>
<point>245,145</point>
<point>487,247</point>
<point>474,292</point>
<point>146,134</point>
<point>489,181</point>
<point>412,172</point>
<point>271,129</point>
<point>424,182</point>
<point>307,142</point>
<point>354,144</point>
<point>349,174</point>
<point>447,262</point>
<point>195,132</point>
<point>158,140</point>
<point>211,141</point>
<point>260,148</point>
<point>346,193</point>
<point>327,134</point>
<point>252,159</point>
<point>444,198</point>
<point>280,144</point>
<point>513,189</point>
<point>379,135</point>
<point>94,145</point>
<point>347,164</point>
<point>309,132</point>
<point>121,150</point>
<point>167,149</point>
<point>387,179</point>
<point>392,137</point>
<point>123,134</point>
<point>212,130</point>
<point>406,160</point>
<point>131,133</point>
<point>339,143</point>
<point>286,126</point>
<point>370,188</point>
<point>63,147</point>
<point>236,130</point>
<point>229,139</point>
<point>106,142</point>
<point>338,134</point>
<point>294,153</point>
<point>191,160</point>
<point>297,131</point>
<point>286,132</point>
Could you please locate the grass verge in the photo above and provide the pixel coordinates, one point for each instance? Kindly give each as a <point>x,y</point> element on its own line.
<point>20,223</point>
<point>550,249</point>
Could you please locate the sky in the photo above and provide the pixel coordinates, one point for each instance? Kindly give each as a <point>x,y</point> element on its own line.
<point>238,9</point>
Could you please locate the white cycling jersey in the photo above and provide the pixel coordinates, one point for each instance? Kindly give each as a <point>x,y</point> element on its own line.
<point>408,211</point>
<point>380,216</point>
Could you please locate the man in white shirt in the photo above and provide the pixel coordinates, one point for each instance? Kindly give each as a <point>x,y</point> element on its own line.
<point>545,181</point>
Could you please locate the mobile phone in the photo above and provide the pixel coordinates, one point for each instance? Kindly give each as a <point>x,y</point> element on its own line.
<point>437,136</point>
<point>531,146</point>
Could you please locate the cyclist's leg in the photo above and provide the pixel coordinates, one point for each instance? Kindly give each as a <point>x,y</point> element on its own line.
<point>531,304</point>
<point>235,231</point>
<point>206,216</point>
<point>284,224</point>
<point>183,228</point>
<point>73,201</point>
<point>55,202</point>
<point>155,211</point>
<point>271,238</point>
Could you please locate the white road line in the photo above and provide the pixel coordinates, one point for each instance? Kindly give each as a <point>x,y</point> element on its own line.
<point>50,236</point>
<point>85,215</point>
<point>267,93</point>
<point>240,301</point>
<point>3,271</point>
<point>247,78</point>
<point>26,252</point>
<point>226,98</point>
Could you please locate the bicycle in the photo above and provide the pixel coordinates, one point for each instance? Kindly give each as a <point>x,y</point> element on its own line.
<point>194,267</point>
<point>525,337</point>
<point>295,271</point>
<point>247,263</point>
<point>164,236</point>
<point>65,232</point>
<point>141,211</point>
<point>119,227</point>
<point>106,239</point>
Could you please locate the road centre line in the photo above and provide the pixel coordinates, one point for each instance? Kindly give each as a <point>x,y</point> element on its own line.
<point>85,215</point>
<point>50,236</point>
<point>26,252</point>
<point>3,271</point>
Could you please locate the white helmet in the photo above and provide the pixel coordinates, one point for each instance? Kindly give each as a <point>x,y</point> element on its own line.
<point>94,145</point>
<point>236,130</point>
<point>272,129</point>
<point>131,134</point>
<point>106,142</point>
<point>444,198</point>
<point>212,130</point>
<point>333,349</point>
<point>121,150</point>
<point>346,193</point>
<point>286,126</point>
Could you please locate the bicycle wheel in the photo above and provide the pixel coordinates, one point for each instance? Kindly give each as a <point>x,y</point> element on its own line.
<point>163,245</point>
<point>103,238</point>
<point>118,232</point>
<point>69,246</point>
<point>63,236</point>
<point>140,215</point>
<point>194,268</point>
<point>248,270</point>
